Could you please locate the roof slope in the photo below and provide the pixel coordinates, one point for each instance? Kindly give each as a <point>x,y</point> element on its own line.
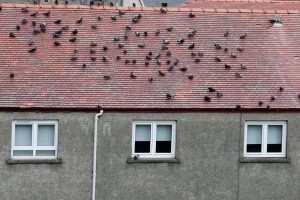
<point>49,78</point>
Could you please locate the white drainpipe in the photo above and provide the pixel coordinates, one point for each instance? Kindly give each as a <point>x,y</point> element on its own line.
<point>95,154</point>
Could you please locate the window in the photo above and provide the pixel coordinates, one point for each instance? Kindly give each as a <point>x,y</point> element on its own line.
<point>34,140</point>
<point>265,139</point>
<point>154,139</point>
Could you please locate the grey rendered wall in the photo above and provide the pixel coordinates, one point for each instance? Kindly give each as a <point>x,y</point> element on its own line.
<point>208,146</point>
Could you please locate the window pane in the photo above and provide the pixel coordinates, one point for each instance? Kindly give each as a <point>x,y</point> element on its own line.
<point>23,153</point>
<point>163,138</point>
<point>274,138</point>
<point>254,138</point>
<point>142,138</point>
<point>23,135</point>
<point>45,135</point>
<point>45,153</point>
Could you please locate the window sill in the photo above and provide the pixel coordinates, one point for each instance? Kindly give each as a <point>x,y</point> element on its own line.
<point>153,160</point>
<point>265,160</point>
<point>34,161</point>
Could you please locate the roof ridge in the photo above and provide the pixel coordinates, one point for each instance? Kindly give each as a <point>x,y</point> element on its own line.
<point>173,9</point>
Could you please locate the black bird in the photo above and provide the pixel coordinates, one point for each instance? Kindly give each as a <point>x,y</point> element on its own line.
<point>121,46</point>
<point>121,12</point>
<point>168,53</point>
<point>226,33</point>
<point>33,23</point>
<point>158,62</point>
<point>56,43</point>
<point>132,75</point>
<point>11,34</point>
<point>147,63</point>
<point>72,39</point>
<point>190,77</point>
<point>197,60</point>
<point>200,54</point>
<point>56,35</point>
<point>125,51</point>
<point>65,28</point>
<point>227,66</point>
<point>184,69</point>
<point>135,20</point>
<point>133,5</point>
<point>118,57</point>
<point>66,2</point>
<point>298,96</point>
<point>18,27</point>
<point>76,50</point>
<point>161,73</point>
<point>192,32</point>
<point>273,98</point>
<point>47,14</point>
<point>111,3</point>
<point>105,48</point>
<point>211,89</point>
<point>150,79</point>
<point>30,42</point>
<point>238,75</point>
<point>243,67</point>
<point>93,58</point>
<point>92,51</point>
<point>125,36</point>
<point>56,2</point>
<point>243,36</point>
<point>217,46</point>
<point>219,94</point>
<point>145,33</point>
<point>24,21</point>
<point>260,103</point>
<point>169,96</point>
<point>74,32</point>
<point>106,77</point>
<point>148,57</point>
<point>225,49</point>
<point>34,14</point>
<point>93,44</point>
<point>139,16</point>
<point>180,41</point>
<point>164,4</point>
<point>150,53</point>
<point>157,56</point>
<point>192,14</point>
<point>240,49</point>
<point>193,54</point>
<point>12,75</point>
<point>127,61</point>
<point>58,21</point>
<point>92,3</point>
<point>79,21</point>
<point>134,61</point>
<point>32,50</point>
<point>157,32</point>
<point>164,47</point>
<point>217,59</point>
<point>207,98</point>
<point>114,18</point>
<point>94,26</point>
<point>163,10</point>
<point>166,41</point>
<point>74,58</point>
<point>116,39</point>
<point>192,46</point>
<point>24,10</point>
<point>128,27</point>
<point>84,65</point>
<point>176,62</point>
<point>233,55</point>
<point>104,59</point>
<point>281,89</point>
<point>168,62</point>
<point>171,68</point>
<point>99,18</point>
<point>58,32</point>
<point>238,106</point>
<point>169,29</point>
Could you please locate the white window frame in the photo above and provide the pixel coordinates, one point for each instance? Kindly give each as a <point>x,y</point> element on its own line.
<point>265,125</point>
<point>152,153</point>
<point>34,146</point>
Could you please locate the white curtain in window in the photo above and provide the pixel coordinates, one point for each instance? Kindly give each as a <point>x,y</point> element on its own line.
<point>23,135</point>
<point>254,134</point>
<point>164,133</point>
<point>274,134</point>
<point>143,133</point>
<point>45,135</point>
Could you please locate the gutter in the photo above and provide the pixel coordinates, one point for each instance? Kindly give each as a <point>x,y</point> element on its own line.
<point>95,154</point>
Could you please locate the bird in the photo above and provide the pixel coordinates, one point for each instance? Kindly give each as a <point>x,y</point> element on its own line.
<point>191,14</point>
<point>133,5</point>
<point>163,10</point>
<point>217,46</point>
<point>141,45</point>
<point>150,53</point>
<point>243,67</point>
<point>74,32</point>
<point>193,54</point>
<point>176,62</point>
<point>105,48</point>
<point>93,44</point>
<point>164,4</point>
<point>233,55</point>
<point>58,21</point>
<point>168,53</point>
<point>225,49</point>
<point>217,59</point>
<point>147,63</point>
<point>219,94</point>
<point>190,77</point>
<point>121,12</point>
<point>33,23</point>
<point>169,96</point>
<point>125,36</point>
<point>56,35</point>
<point>145,33</point>
<point>168,62</point>
<point>92,51</point>
<point>158,62</point>
<point>164,47</point>
<point>76,50</point>
<point>24,10</point>
<point>24,21</point>
<point>157,32</point>
<point>161,73</point>
<point>30,42</point>
<point>121,46</point>
<point>157,56</point>
<point>281,89</point>
<point>128,27</point>
<point>192,46</point>
<point>92,3</point>
<point>180,41</point>
<point>99,18</point>
<point>104,59</point>
<point>132,75</point>
<point>226,34</point>
<point>35,32</point>
<point>171,68</point>
<point>56,43</point>
<point>47,14</point>
<point>169,29</point>
<point>260,103</point>
<point>184,69</point>
<point>93,58</point>
<point>79,21</point>
<point>134,61</point>
<point>56,2</point>
<point>243,36</point>
<point>200,54</point>
<point>238,75</point>
<point>150,79</point>
<point>166,41</point>
<point>34,14</point>
<point>127,61</point>
<point>238,106</point>
<point>211,89</point>
<point>240,49</point>
<point>107,77</point>
<point>65,28</point>
<point>58,32</point>
<point>74,58</point>
<point>11,34</point>
<point>135,20</point>
<point>118,57</point>
<point>114,18</point>
<point>148,57</point>
<point>207,98</point>
<point>66,2</point>
<point>227,66</point>
<point>125,51</point>
<point>72,39</point>
<point>83,65</point>
<point>32,50</point>
<point>139,16</point>
<point>111,4</point>
<point>12,75</point>
<point>137,33</point>
<point>116,39</point>
<point>94,26</point>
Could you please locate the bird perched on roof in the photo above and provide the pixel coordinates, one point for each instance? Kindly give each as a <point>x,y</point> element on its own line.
<point>11,34</point>
<point>56,2</point>
<point>114,18</point>
<point>99,18</point>
<point>121,12</point>
<point>217,59</point>
<point>74,58</point>
<point>47,14</point>
<point>132,75</point>
<point>105,48</point>
<point>93,58</point>
<point>219,94</point>
<point>240,49</point>
<point>243,36</point>
<point>211,89</point>
<point>93,44</point>
<point>184,69</point>
<point>32,50</point>
<point>180,41</point>
<point>25,10</point>
<point>141,45</point>
<point>92,51</point>
<point>107,77</point>
<point>104,59</point>
<point>30,42</point>
<point>56,43</point>
<point>243,67</point>
<point>157,56</point>
<point>191,14</point>
<point>163,10</point>
<point>34,14</point>
<point>111,4</point>
<point>233,55</point>
<point>197,60</point>
<point>74,32</point>
<point>169,53</point>
<point>169,29</point>
<point>94,26</point>
<point>24,21</point>
<point>157,32</point>
<point>58,21</point>
<point>116,39</point>
<point>161,73</point>
<point>121,46</point>
<point>79,21</point>
<point>191,46</point>
<point>226,34</point>
<point>150,79</point>
<point>207,98</point>
<point>227,66</point>
<point>169,96</point>
<point>72,39</point>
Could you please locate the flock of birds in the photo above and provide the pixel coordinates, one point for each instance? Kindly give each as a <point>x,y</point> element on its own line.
<point>150,56</point>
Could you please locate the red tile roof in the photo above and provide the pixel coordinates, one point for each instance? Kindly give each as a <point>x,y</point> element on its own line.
<point>48,78</point>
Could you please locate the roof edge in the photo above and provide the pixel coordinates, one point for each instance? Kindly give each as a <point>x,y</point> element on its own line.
<point>174,9</point>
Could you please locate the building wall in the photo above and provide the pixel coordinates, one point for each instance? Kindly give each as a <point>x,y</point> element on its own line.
<point>208,146</point>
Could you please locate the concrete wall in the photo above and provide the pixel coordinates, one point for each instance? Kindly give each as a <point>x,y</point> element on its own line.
<point>208,145</point>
